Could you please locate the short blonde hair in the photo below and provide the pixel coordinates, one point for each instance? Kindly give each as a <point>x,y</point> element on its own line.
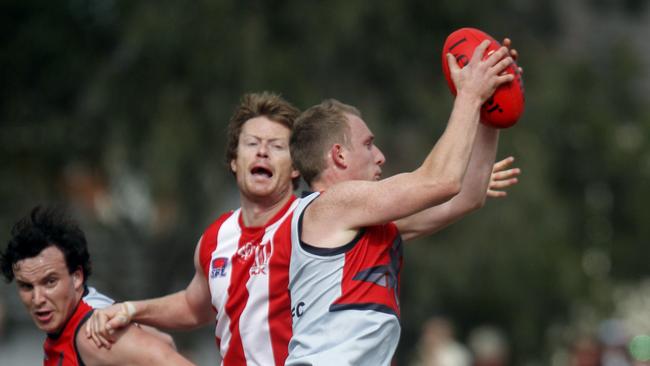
<point>315,131</point>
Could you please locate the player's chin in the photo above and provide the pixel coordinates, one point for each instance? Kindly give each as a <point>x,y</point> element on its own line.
<point>263,189</point>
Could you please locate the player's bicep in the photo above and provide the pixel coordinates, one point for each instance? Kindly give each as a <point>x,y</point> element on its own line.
<point>133,346</point>
<point>356,204</point>
<point>198,298</point>
<point>197,293</point>
<point>351,205</point>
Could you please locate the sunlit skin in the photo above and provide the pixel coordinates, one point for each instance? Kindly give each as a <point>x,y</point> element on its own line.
<point>46,288</point>
<point>502,178</point>
<point>358,158</point>
<point>366,159</point>
<point>263,166</point>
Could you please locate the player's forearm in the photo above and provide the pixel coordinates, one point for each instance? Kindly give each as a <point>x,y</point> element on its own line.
<point>471,196</point>
<point>473,192</point>
<point>447,162</point>
<point>169,312</point>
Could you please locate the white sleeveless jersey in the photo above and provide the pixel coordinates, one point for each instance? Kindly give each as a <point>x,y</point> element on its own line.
<point>345,300</point>
<point>247,271</point>
<point>96,299</point>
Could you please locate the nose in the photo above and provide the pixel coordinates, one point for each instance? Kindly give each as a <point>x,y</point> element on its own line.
<point>38,296</point>
<point>380,159</point>
<point>262,150</point>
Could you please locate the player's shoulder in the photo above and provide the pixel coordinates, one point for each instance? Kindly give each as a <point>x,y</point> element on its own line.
<point>96,299</point>
<point>132,345</point>
<point>208,241</point>
<point>88,352</point>
<point>216,223</point>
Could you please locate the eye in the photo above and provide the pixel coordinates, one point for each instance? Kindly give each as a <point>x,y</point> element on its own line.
<point>24,286</point>
<point>51,282</point>
<point>249,141</point>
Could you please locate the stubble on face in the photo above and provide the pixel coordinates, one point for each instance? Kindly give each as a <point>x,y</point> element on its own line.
<point>263,164</point>
<point>46,288</point>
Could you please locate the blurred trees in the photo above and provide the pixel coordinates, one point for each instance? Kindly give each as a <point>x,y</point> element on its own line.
<point>118,108</point>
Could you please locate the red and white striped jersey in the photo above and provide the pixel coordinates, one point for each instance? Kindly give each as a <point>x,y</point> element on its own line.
<point>247,269</point>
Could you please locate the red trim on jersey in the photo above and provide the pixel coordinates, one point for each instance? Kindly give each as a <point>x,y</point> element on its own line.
<point>271,221</point>
<point>61,349</point>
<point>371,271</point>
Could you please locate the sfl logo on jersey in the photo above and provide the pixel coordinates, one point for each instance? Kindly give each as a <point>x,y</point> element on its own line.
<point>219,267</point>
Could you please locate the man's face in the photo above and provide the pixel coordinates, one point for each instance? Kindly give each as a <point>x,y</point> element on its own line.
<point>47,290</point>
<point>263,164</point>
<point>364,158</point>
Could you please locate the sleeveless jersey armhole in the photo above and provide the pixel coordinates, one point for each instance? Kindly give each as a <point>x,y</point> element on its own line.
<point>76,332</point>
<point>325,252</point>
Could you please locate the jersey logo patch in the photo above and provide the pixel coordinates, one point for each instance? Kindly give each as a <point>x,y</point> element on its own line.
<point>261,253</point>
<point>218,267</point>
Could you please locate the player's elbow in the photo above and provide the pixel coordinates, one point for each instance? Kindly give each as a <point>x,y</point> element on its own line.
<point>470,203</point>
<point>478,203</point>
<point>448,188</point>
<point>438,185</point>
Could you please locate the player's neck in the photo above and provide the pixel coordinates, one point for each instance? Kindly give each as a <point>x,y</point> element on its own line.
<point>327,179</point>
<point>319,186</point>
<point>256,213</point>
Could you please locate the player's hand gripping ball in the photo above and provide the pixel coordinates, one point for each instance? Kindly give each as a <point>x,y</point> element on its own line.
<point>506,105</point>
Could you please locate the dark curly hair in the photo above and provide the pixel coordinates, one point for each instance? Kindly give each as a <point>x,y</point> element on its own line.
<point>42,228</point>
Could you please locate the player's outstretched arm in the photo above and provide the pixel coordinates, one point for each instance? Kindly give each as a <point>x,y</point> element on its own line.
<point>470,198</point>
<point>438,217</point>
<point>133,346</point>
<point>182,310</point>
<point>350,205</point>
<point>482,175</point>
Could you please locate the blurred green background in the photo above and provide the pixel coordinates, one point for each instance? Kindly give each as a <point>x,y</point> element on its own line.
<point>118,109</point>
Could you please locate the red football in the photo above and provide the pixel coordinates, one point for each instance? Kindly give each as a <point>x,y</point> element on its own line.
<point>506,105</point>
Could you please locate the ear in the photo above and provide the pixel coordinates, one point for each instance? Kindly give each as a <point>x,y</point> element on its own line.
<point>78,278</point>
<point>233,166</point>
<point>337,155</point>
<point>294,173</point>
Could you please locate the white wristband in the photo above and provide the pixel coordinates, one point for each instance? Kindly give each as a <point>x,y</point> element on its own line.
<point>129,308</point>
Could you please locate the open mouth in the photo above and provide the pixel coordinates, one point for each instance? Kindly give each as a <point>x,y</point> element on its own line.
<point>43,315</point>
<point>261,171</point>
